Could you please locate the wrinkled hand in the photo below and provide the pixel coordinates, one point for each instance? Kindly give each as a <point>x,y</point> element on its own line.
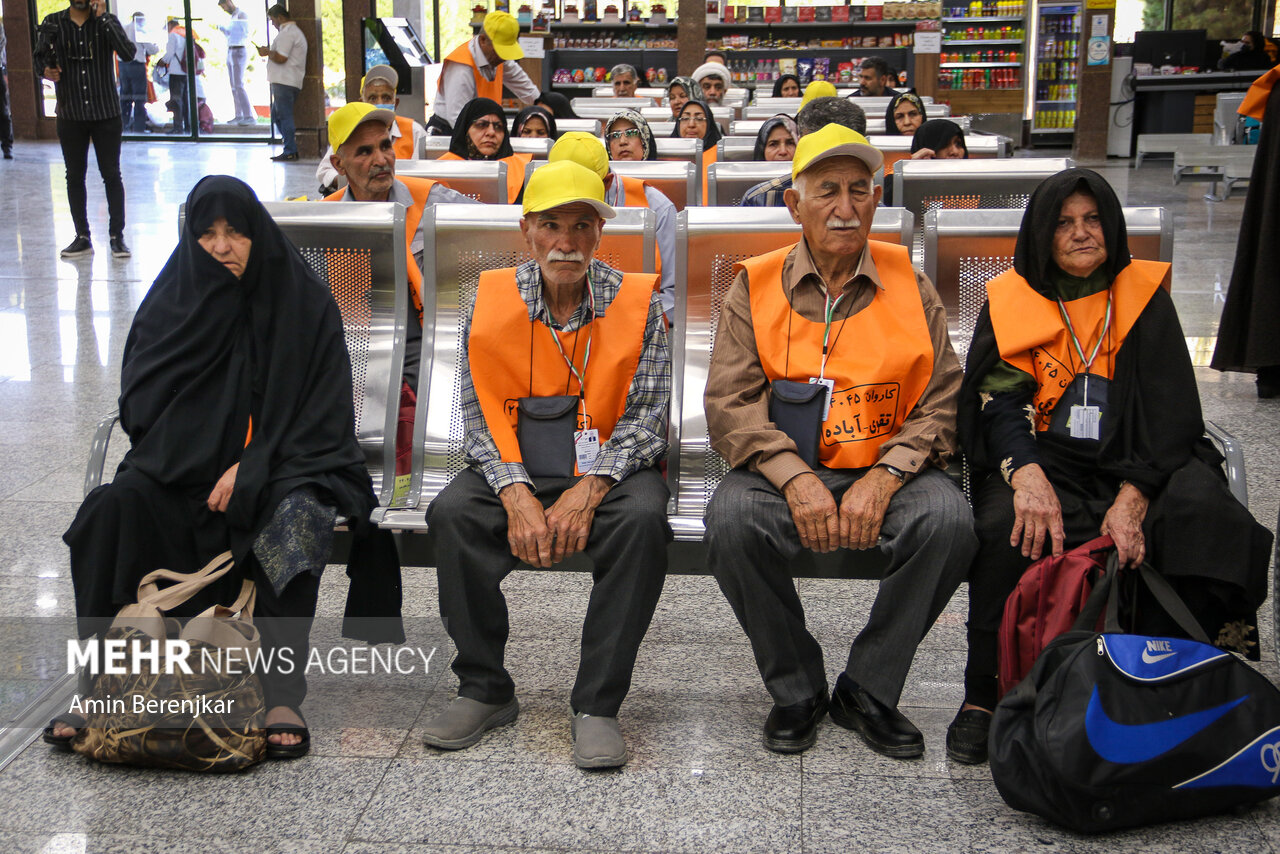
<point>570,517</point>
<point>527,531</point>
<point>54,73</point>
<point>923,154</point>
<point>221,495</point>
<point>863,507</point>
<point>1123,523</point>
<point>1037,513</point>
<point>813,509</point>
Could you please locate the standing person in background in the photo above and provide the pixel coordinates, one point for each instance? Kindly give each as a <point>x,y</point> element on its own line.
<point>78,42</point>
<point>237,36</point>
<point>286,69</point>
<point>480,68</point>
<point>175,60</point>
<point>133,76</point>
<point>6,123</point>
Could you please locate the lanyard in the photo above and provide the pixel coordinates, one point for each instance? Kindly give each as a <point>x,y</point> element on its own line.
<point>586,355</point>
<point>826,331</point>
<point>1075,341</point>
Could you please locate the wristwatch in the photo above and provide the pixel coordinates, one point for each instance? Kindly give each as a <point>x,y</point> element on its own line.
<point>896,472</point>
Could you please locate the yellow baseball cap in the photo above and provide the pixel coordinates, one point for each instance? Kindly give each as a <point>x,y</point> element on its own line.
<point>564,183</point>
<point>344,121</point>
<point>503,30</point>
<point>581,148</point>
<point>818,89</point>
<point>834,141</point>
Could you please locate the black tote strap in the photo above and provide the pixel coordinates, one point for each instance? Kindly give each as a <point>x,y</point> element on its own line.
<point>1098,598</point>
<point>1172,603</point>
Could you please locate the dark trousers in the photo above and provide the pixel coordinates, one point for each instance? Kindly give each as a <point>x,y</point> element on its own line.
<point>179,99</point>
<point>6,121</point>
<point>627,545</point>
<point>133,96</point>
<point>282,98</point>
<point>751,540</point>
<point>75,137</point>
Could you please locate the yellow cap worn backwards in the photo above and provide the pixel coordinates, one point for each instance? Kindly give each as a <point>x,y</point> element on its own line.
<point>503,30</point>
<point>834,141</point>
<point>564,183</point>
<point>344,121</point>
<point>583,149</point>
<point>818,89</point>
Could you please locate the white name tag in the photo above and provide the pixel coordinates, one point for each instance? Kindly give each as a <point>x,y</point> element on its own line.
<point>586,447</point>
<point>1083,422</point>
<point>831,386</point>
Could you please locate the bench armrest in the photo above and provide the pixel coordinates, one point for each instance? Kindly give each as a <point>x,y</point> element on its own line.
<point>1234,463</point>
<point>98,452</point>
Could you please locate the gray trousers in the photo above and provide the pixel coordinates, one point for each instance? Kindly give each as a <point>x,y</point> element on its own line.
<point>927,534</point>
<point>237,60</point>
<point>627,545</point>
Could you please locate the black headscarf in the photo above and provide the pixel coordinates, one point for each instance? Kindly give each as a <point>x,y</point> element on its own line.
<point>936,134</point>
<point>777,85</point>
<point>475,109</point>
<point>558,104</point>
<point>534,112</point>
<point>890,123</point>
<point>762,138</point>
<point>208,351</point>
<point>646,132</point>
<point>712,134</point>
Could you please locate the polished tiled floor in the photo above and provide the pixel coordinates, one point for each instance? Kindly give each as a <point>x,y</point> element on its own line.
<point>700,779</point>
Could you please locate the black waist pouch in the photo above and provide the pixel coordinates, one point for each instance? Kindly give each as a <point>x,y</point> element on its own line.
<point>544,430</point>
<point>796,408</point>
<point>1073,395</point>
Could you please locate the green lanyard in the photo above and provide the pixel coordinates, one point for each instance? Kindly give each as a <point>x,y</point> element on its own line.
<point>586,355</point>
<point>1075,341</point>
<point>826,331</point>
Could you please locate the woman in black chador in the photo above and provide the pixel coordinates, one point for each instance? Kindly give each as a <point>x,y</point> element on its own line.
<point>235,392</point>
<point>1080,416</point>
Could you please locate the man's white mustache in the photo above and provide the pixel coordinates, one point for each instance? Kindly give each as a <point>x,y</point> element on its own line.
<point>836,222</point>
<point>557,255</point>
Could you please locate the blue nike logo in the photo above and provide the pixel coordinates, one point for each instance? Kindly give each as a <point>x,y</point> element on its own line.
<point>1126,744</point>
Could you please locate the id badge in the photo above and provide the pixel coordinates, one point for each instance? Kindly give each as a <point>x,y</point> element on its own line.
<point>1084,422</point>
<point>586,447</point>
<point>831,387</point>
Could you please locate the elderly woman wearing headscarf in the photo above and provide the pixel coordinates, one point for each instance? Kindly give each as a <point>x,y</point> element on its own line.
<point>534,122</point>
<point>904,115</point>
<point>480,133</point>
<point>679,91</point>
<point>776,140</point>
<point>787,86</point>
<point>235,392</point>
<point>628,136</point>
<point>697,122</point>
<point>1079,416</point>
<point>939,139</point>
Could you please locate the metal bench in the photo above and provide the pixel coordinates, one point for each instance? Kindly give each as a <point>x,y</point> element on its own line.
<point>688,150</point>
<point>676,180</point>
<point>1235,172</point>
<point>874,108</point>
<point>1210,163</point>
<point>1228,124</point>
<point>728,182</point>
<point>724,116</point>
<point>875,125</point>
<point>1167,143</point>
<point>437,146</point>
<point>591,126</point>
<point>482,180</point>
<point>611,102</point>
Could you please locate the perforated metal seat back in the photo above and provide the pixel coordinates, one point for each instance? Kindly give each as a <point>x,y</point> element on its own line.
<point>709,241</point>
<point>966,249</point>
<point>482,180</point>
<point>464,241</point>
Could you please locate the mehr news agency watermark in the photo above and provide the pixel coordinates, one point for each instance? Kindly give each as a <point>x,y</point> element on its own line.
<point>120,657</point>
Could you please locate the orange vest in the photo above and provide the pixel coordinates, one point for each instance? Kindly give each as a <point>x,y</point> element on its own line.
<point>708,157</point>
<point>403,144</point>
<point>1255,100</point>
<point>1031,336</point>
<point>515,171</point>
<point>420,188</point>
<point>880,368</point>
<point>491,89</point>
<point>512,357</point>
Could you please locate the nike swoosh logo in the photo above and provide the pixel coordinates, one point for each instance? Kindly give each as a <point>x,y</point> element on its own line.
<point>1126,744</point>
<point>1148,658</point>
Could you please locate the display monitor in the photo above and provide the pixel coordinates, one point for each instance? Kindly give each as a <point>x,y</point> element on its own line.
<point>1184,48</point>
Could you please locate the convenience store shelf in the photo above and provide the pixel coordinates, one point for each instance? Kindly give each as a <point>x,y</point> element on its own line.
<point>756,25</point>
<point>963,42</point>
<point>1058,131</point>
<point>983,18</point>
<point>1062,101</point>
<point>980,65</point>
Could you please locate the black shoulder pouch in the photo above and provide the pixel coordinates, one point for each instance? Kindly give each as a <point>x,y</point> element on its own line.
<point>796,408</point>
<point>1073,395</point>
<point>544,430</point>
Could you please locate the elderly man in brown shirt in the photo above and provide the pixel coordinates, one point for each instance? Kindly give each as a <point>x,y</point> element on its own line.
<point>832,393</point>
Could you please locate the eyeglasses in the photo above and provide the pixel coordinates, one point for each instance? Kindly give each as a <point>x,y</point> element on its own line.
<point>693,120</point>
<point>629,133</point>
<point>483,126</point>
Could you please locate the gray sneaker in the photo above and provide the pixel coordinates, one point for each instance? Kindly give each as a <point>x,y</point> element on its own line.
<point>462,724</point>
<point>597,742</point>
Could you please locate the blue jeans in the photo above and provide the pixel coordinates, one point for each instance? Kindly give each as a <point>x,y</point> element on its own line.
<point>133,96</point>
<point>282,98</point>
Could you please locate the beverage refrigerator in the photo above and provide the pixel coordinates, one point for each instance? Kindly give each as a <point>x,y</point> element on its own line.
<point>1055,40</point>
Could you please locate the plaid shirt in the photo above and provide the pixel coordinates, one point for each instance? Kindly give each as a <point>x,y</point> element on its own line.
<point>639,438</point>
<point>766,194</point>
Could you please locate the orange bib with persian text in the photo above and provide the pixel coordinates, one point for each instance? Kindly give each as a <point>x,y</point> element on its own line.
<point>511,357</point>
<point>420,188</point>
<point>1031,336</point>
<point>515,171</point>
<point>1254,104</point>
<point>880,359</point>
<point>491,89</point>
<point>403,144</point>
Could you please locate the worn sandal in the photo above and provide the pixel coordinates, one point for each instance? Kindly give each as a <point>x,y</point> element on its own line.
<point>288,751</point>
<point>63,742</point>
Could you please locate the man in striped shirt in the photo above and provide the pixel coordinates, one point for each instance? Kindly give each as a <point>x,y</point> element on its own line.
<point>74,47</point>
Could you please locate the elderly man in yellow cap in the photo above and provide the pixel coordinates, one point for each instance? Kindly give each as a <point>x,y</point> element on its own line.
<point>832,393</point>
<point>620,191</point>
<point>566,381</point>
<point>480,68</point>
<point>364,154</point>
<point>408,137</point>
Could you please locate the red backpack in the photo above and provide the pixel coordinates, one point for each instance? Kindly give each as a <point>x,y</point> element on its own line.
<point>1045,603</point>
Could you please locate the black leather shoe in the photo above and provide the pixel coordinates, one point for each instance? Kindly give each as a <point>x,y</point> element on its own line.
<point>967,736</point>
<point>285,158</point>
<point>884,729</point>
<point>794,728</point>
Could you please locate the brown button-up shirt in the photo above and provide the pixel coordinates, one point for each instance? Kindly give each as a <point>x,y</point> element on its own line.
<point>737,402</point>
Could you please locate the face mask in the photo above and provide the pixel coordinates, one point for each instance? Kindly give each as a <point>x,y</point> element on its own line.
<point>391,107</point>
<point>140,23</point>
